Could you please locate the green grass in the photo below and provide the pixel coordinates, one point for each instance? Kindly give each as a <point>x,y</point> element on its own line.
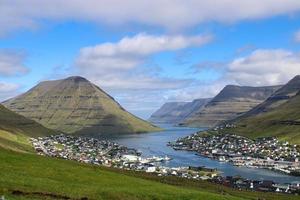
<point>40,177</point>
<point>30,173</point>
<point>15,142</point>
<point>268,124</point>
<point>17,124</point>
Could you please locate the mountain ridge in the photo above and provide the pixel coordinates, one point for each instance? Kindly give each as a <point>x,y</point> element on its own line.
<point>278,116</point>
<point>231,102</point>
<point>75,105</point>
<point>175,112</point>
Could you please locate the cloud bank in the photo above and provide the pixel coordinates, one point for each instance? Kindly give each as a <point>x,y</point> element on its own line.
<point>123,65</point>
<point>169,14</point>
<point>264,67</point>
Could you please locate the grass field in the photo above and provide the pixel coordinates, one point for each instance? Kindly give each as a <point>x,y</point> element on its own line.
<point>48,177</point>
<point>27,176</point>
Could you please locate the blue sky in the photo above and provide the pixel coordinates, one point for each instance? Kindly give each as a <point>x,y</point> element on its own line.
<point>145,59</point>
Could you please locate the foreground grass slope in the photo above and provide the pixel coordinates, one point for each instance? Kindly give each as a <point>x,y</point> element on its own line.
<point>27,176</point>
<point>30,173</point>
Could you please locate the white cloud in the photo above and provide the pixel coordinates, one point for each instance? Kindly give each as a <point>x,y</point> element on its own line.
<point>122,65</point>
<point>124,70</point>
<point>8,90</point>
<point>265,67</point>
<point>11,63</point>
<point>262,67</point>
<point>131,51</point>
<point>196,91</point>
<point>297,36</point>
<point>170,14</point>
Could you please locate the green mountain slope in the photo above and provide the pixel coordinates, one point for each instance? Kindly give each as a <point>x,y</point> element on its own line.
<point>27,176</point>
<point>282,122</point>
<point>278,116</point>
<point>280,97</point>
<point>75,105</point>
<point>230,103</point>
<point>16,129</point>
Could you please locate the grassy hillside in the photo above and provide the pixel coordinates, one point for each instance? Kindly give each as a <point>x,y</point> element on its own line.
<point>75,105</point>
<point>34,177</point>
<point>17,124</point>
<point>282,122</point>
<point>16,129</point>
<point>30,173</point>
<point>15,142</point>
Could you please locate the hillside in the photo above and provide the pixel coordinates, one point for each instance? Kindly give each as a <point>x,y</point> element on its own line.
<point>278,116</point>
<point>281,96</point>
<point>35,177</point>
<point>230,103</point>
<point>175,112</point>
<point>77,106</point>
<point>42,178</point>
<point>16,129</point>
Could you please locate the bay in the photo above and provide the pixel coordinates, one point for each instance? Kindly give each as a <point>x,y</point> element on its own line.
<point>155,144</point>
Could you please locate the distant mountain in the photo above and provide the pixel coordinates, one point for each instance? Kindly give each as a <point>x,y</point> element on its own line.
<point>281,96</point>
<point>176,112</point>
<point>230,103</point>
<point>16,129</point>
<point>77,106</point>
<point>278,116</point>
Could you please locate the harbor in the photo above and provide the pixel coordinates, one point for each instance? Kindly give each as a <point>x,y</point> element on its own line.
<point>263,153</point>
<point>155,144</point>
<point>111,154</point>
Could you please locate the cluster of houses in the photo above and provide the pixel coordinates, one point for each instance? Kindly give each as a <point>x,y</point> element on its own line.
<point>255,185</point>
<point>110,154</point>
<point>87,150</point>
<point>268,153</point>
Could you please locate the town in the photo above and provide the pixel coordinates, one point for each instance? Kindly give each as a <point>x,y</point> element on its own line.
<point>267,153</point>
<point>110,154</point>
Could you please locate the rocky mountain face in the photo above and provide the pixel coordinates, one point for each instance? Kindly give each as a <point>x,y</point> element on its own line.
<point>278,116</point>
<point>77,106</point>
<point>230,103</point>
<point>176,112</point>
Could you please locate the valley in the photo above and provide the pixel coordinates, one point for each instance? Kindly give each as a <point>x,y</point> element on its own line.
<point>149,100</point>
<point>152,153</point>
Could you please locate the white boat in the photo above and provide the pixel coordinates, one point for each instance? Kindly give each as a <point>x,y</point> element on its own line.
<point>166,158</point>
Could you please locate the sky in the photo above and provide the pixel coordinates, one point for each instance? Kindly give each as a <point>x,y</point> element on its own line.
<point>145,53</point>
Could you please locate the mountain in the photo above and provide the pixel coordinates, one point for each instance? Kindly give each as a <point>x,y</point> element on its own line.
<point>281,96</point>
<point>75,105</point>
<point>230,103</point>
<point>16,129</point>
<point>175,112</point>
<point>278,116</point>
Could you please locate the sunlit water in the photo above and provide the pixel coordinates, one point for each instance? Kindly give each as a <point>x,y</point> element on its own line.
<point>155,144</point>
